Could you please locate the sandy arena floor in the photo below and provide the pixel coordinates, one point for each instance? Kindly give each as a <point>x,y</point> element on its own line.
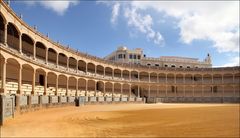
<point>134,120</point>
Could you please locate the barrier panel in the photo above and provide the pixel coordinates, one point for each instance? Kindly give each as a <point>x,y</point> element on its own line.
<point>108,99</point>
<point>100,99</point>
<point>23,100</point>
<point>80,100</point>
<point>124,99</point>
<point>45,99</point>
<point>70,99</point>
<point>116,99</point>
<point>7,105</point>
<point>138,99</point>
<point>34,100</point>
<point>54,99</point>
<point>151,100</point>
<point>86,98</point>
<point>92,99</point>
<point>131,99</point>
<point>63,99</point>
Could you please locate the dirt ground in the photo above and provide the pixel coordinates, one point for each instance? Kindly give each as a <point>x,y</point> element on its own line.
<point>128,120</point>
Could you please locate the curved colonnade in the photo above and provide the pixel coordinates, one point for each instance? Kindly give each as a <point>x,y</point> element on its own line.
<point>32,64</point>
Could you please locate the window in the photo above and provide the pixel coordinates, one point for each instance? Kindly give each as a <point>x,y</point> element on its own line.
<point>180,66</point>
<point>139,56</point>
<point>157,65</point>
<point>215,89</point>
<point>173,66</point>
<point>130,56</point>
<point>124,56</point>
<point>149,64</point>
<point>166,65</point>
<point>41,80</point>
<point>135,57</point>
<point>120,56</point>
<point>188,66</point>
<point>173,88</point>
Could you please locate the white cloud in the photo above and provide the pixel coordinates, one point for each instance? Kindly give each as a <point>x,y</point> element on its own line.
<point>233,62</point>
<point>58,6</point>
<point>142,23</point>
<point>115,12</point>
<point>215,21</point>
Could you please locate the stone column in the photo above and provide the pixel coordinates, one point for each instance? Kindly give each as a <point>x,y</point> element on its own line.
<point>166,86</point>
<point>149,91</point>
<point>56,87</point>
<point>149,79</point>
<point>86,88</point>
<point>33,82</point>
<point>104,89</point>
<point>113,73</point>
<point>19,80</point>
<point>45,84</point>
<point>130,77</point>
<point>76,94</point>
<point>157,78</point>
<point>184,82</point>
<point>86,67</point>
<point>121,74</point>
<point>95,89</point>
<point>104,73</point>
<point>46,54</point>
<point>3,74</point>
<point>95,70</point>
<point>112,90</point>
<point>57,60</point>
<point>67,63</point>
<point>67,87</point>
<point>20,43</point>
<point>34,50</point>
<point>121,89</point>
<point>130,90</point>
<point>138,95</point>
<point>77,66</point>
<point>157,90</point>
<point>138,76</point>
<point>5,34</point>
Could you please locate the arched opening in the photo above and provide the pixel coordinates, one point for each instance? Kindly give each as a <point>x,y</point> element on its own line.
<point>51,83</point>
<point>82,66</point>
<point>117,73</point>
<point>40,52</point>
<point>40,81</point>
<point>27,45</point>
<point>91,88</point>
<point>108,72</point>
<point>217,78</point>
<point>100,89</point>
<point>52,56</point>
<point>91,68</point>
<point>180,91</point>
<point>162,91</point>
<point>197,91</point>
<point>134,76</point>
<point>144,76</point>
<point>13,36</point>
<point>108,89</point>
<point>100,70</point>
<point>2,28</point>
<point>153,77</point>
<point>179,78</point>
<point>72,86</point>
<point>207,91</point>
<point>117,90</point>
<point>153,91</point>
<point>62,60</point>
<point>197,79</point>
<point>27,78</point>
<point>228,91</point>
<point>171,91</point>
<point>134,91</point>
<point>125,90</point>
<point>228,78</point>
<point>170,78</point>
<point>62,85</point>
<point>72,63</point>
<point>188,79</point>
<point>81,87</point>
<point>237,78</point>
<point>188,91</point>
<point>207,79</point>
<point>125,74</point>
<point>12,75</point>
<point>162,78</point>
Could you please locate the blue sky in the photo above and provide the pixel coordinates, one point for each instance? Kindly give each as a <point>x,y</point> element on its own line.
<point>189,29</point>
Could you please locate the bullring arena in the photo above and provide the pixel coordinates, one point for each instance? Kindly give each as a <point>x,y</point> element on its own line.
<point>37,73</point>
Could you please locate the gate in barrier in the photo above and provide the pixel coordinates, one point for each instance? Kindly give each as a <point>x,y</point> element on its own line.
<point>7,106</point>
